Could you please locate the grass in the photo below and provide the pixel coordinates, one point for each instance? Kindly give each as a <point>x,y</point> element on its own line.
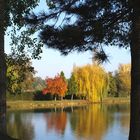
<point>116,100</point>
<point>23,104</point>
<point>44,104</point>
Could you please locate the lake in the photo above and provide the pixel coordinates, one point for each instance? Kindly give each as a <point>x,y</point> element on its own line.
<point>92,122</point>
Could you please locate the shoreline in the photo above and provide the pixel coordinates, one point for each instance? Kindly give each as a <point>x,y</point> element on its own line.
<point>28,105</point>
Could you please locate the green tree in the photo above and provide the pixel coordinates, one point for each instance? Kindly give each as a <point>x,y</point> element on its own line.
<point>72,86</point>
<point>112,86</point>
<point>19,73</point>
<point>62,74</point>
<point>92,25</point>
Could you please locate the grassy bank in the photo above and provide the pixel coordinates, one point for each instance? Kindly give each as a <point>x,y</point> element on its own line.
<point>113,100</point>
<point>44,104</point>
<point>19,105</point>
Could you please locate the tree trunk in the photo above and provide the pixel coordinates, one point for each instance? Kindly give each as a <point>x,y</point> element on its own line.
<point>55,97</point>
<point>61,98</point>
<point>72,97</point>
<point>2,70</point>
<point>134,133</point>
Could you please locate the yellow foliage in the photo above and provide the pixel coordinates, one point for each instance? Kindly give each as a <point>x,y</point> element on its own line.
<point>92,81</point>
<point>124,77</point>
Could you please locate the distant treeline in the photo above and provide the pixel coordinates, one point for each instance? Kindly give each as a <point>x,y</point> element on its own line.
<point>90,82</point>
<point>94,83</point>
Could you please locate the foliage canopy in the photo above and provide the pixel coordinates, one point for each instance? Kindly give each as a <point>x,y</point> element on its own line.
<point>84,25</point>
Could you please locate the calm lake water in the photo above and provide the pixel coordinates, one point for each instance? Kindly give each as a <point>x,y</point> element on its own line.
<point>93,122</point>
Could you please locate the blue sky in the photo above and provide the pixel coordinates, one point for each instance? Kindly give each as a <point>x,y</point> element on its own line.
<point>52,62</point>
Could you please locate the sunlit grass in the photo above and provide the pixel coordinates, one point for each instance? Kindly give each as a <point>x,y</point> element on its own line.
<point>116,100</point>
<point>60,103</point>
<point>44,104</point>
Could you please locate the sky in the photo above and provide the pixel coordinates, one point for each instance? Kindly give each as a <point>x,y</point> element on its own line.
<point>52,62</point>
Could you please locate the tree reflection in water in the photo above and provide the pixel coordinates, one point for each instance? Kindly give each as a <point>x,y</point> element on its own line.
<point>93,122</point>
<point>90,123</point>
<point>19,125</point>
<point>56,121</point>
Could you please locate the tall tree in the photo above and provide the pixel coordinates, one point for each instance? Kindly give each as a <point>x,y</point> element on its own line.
<point>2,70</point>
<point>112,86</point>
<point>11,13</point>
<point>62,74</point>
<point>72,86</point>
<point>91,25</point>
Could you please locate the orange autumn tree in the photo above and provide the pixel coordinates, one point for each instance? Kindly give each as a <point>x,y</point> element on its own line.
<point>56,86</point>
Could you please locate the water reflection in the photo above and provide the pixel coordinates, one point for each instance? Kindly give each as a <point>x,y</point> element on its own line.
<point>19,125</point>
<point>94,122</point>
<point>121,116</point>
<point>56,121</point>
<point>91,123</point>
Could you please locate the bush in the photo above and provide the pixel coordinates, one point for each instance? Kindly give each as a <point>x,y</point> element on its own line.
<point>20,96</point>
<point>38,95</point>
<point>69,96</point>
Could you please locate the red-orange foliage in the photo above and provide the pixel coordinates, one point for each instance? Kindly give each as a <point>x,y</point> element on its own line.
<point>56,85</point>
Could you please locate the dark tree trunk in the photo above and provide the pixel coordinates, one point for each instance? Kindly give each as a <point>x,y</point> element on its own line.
<point>2,70</point>
<point>2,87</point>
<point>134,133</point>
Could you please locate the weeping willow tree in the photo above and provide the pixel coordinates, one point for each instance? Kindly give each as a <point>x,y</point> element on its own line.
<point>92,82</point>
<point>81,77</point>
